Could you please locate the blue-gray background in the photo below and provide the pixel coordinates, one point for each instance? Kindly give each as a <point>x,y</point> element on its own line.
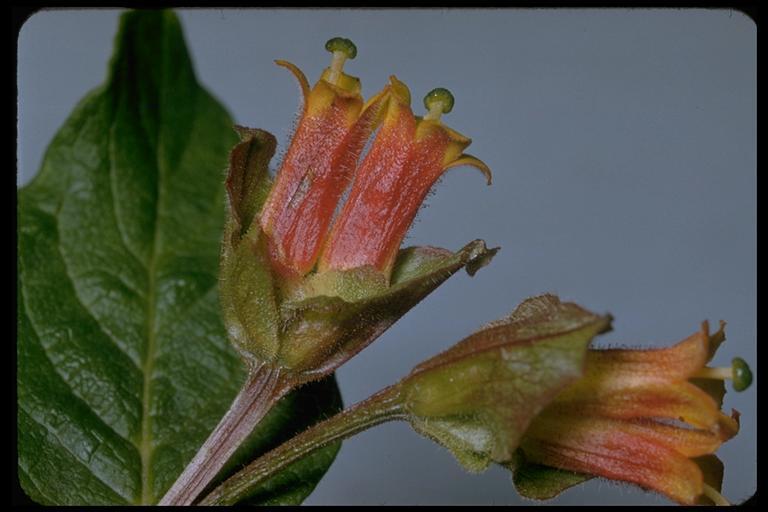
<point>623,145</point>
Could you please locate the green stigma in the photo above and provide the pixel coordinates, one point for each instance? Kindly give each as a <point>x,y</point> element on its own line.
<point>341,44</point>
<point>439,98</point>
<point>742,375</point>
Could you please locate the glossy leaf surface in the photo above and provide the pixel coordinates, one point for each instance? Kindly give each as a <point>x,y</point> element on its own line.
<point>123,362</point>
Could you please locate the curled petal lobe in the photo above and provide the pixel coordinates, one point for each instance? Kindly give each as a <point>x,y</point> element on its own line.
<point>471,161</point>
<point>300,77</point>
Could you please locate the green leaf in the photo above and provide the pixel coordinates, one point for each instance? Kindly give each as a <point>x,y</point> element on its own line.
<point>123,363</point>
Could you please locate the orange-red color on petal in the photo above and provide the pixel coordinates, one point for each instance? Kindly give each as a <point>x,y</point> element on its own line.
<point>606,448</point>
<point>405,160</point>
<point>636,417</point>
<point>314,173</point>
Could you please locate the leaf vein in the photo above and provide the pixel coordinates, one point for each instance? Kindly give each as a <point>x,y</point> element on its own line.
<point>113,194</point>
<point>148,364</point>
<point>63,378</point>
<point>69,450</point>
<point>122,350</point>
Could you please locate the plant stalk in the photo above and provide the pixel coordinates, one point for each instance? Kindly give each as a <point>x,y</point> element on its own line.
<point>261,390</point>
<point>382,407</point>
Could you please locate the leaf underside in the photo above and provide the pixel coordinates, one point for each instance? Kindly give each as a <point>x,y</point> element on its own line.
<point>123,363</point>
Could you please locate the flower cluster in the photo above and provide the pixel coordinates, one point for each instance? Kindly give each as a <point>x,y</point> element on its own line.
<point>306,278</point>
<point>309,279</point>
<point>406,157</point>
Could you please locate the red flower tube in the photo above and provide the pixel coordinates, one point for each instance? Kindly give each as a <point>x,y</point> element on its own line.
<point>317,167</point>
<point>636,416</point>
<point>406,158</point>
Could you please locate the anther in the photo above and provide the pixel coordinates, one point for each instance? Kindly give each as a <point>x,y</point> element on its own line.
<point>438,102</point>
<point>739,372</point>
<point>342,49</point>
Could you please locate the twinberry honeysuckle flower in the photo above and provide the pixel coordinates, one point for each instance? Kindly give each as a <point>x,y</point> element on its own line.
<point>527,392</point>
<point>639,416</point>
<point>307,282</point>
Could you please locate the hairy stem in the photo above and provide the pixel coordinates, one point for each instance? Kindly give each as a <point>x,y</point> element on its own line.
<point>382,407</point>
<point>261,390</point>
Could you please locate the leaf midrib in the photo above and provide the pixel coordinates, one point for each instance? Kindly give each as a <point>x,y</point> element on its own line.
<point>148,363</point>
<point>148,367</point>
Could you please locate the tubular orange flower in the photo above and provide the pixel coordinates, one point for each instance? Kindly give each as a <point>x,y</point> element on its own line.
<point>318,164</point>
<point>638,416</point>
<point>406,157</point>
<point>278,308</point>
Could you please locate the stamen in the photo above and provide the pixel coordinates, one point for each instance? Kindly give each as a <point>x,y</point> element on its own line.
<point>435,111</point>
<point>342,49</point>
<point>438,102</point>
<point>717,498</point>
<point>739,372</point>
<point>724,373</point>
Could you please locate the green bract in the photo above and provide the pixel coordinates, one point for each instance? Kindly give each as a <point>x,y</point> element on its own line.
<point>309,329</point>
<point>478,398</point>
